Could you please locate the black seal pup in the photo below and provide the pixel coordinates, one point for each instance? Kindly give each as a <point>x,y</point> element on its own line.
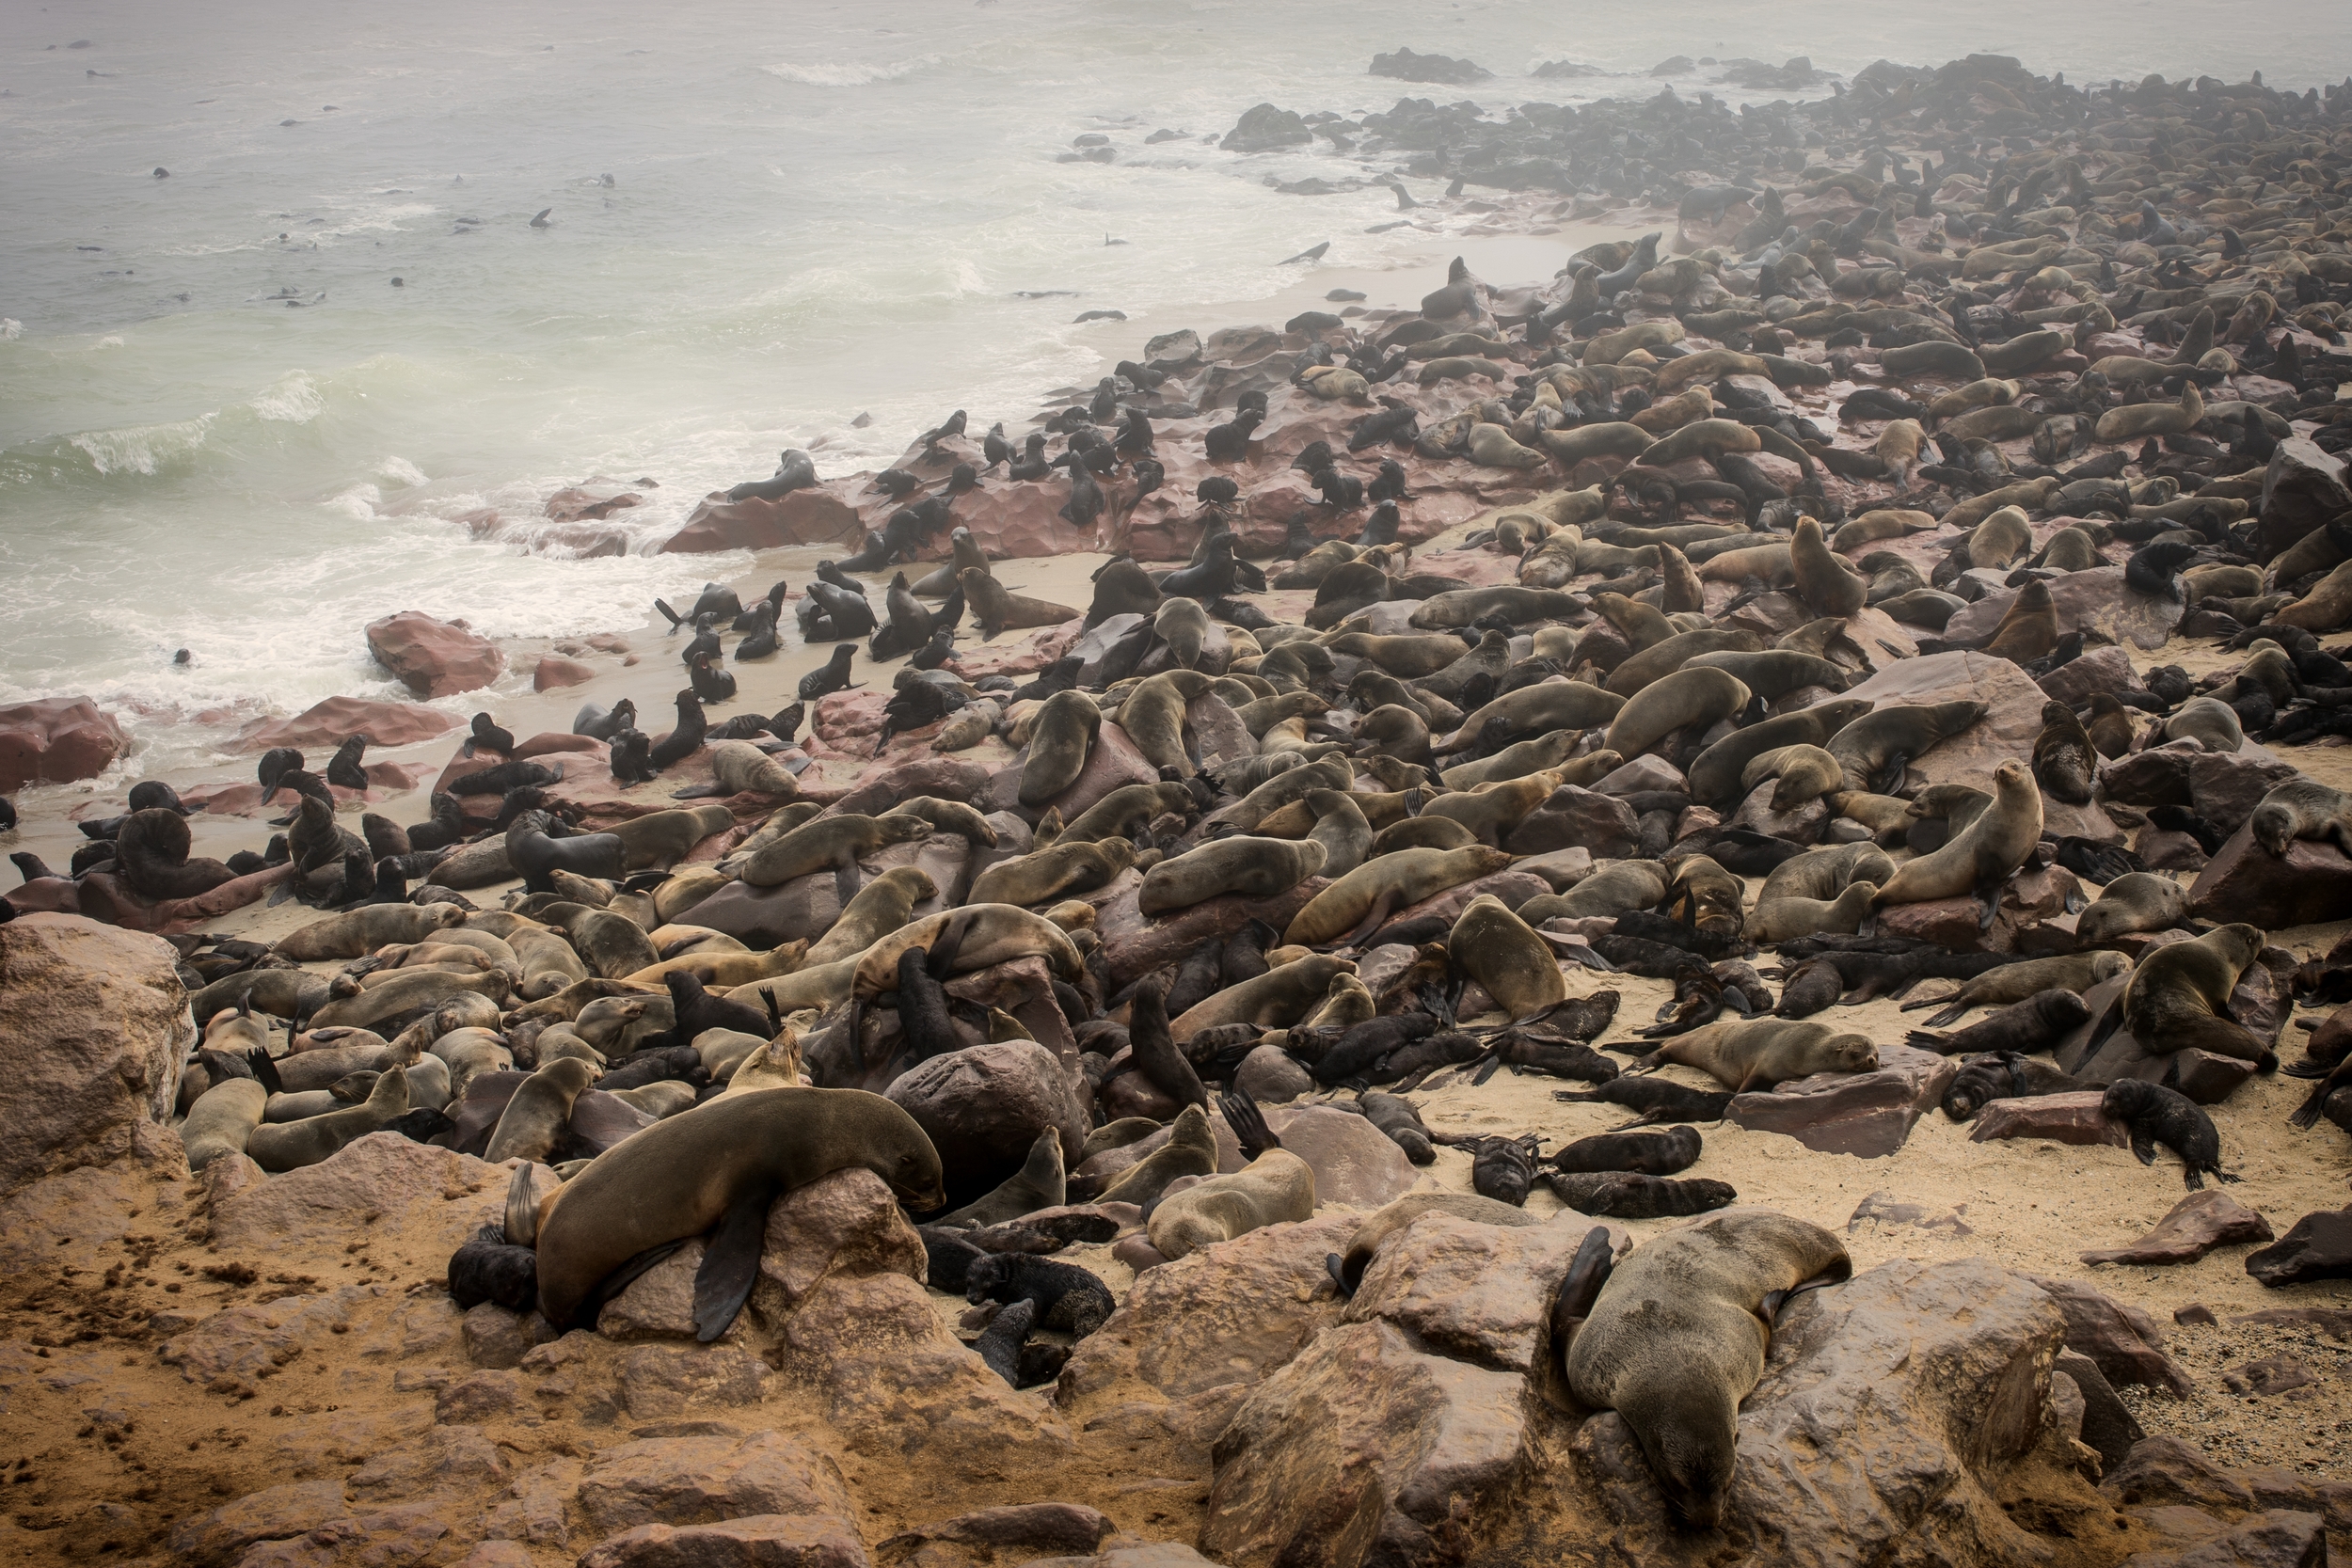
<point>2155,1115</point>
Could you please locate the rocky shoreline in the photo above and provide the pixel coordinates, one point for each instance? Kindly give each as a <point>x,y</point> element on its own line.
<point>1981,411</point>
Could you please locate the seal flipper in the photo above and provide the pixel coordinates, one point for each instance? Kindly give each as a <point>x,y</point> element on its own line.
<point>264,1070</point>
<point>1374,918</point>
<point>730,1264</point>
<point>845,879</point>
<point>1587,1273</point>
<point>945,947</point>
<point>1336,1266</point>
<point>1248,1124</point>
<point>676,620</point>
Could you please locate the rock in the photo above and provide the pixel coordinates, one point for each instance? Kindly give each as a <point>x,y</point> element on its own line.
<point>1264,128</point>
<point>382,1185</point>
<point>1017,1531</point>
<point>1413,1457</point>
<point>1480,1293</point>
<point>2067,1118</point>
<point>1644,773</point>
<point>56,740</point>
<point>330,723</point>
<point>1021,521</point>
<point>434,659</point>
<point>1113,762</point>
<point>983,1106</point>
<point>2164,1469</point>
<point>1023,656</point>
<point>2087,601</point>
<point>2076,681</point>
<point>498,1337</point>
<point>2013,718</point>
<point>2028,901</point>
<point>1602,825</point>
<point>2196,1225</point>
<point>1218,731</point>
<point>659,1381</point>
<point>702,1480</point>
<point>1356,1164</point>
<point>2312,882</point>
<point>2302,490</point>
<point>2319,1247</point>
<point>2225,789</point>
<point>443,1459</point>
<point>217,1537</point>
<point>1272,1076</point>
<point>2276,1539</point>
<point>2272,1374</point>
<point>1889,1426</point>
<point>95,1030</point>
<point>236,1348</point>
<point>555,672</point>
<point>754,1541</point>
<point>1883,1208</point>
<point>1135,944</point>
<point>813,516</point>
<point>1868,1114</point>
<point>2123,1341</point>
<point>392,1538</point>
<point>846,1225</point>
<point>1406,66</point>
<point>1561,868</point>
<point>1192,1337</point>
<point>1024,989</point>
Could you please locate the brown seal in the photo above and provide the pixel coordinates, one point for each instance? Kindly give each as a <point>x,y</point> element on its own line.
<point>1744,1054</point>
<point>2179,997</point>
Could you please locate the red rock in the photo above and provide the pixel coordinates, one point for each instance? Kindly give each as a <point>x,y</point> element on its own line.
<point>1023,1529</point>
<point>2196,1225</point>
<point>1025,656</point>
<point>2066,1119</point>
<point>2312,882</point>
<point>2318,1247</point>
<point>1576,819</point>
<point>2099,669</point>
<point>1868,1114</point>
<point>56,740</point>
<point>336,720</point>
<point>846,724</point>
<point>392,778</point>
<point>434,659</point>
<point>811,517</point>
<point>1113,762</point>
<point>750,1541</point>
<point>555,672</point>
<point>1023,520</point>
<point>2164,1469</point>
<point>574,504</point>
<point>2121,1340</point>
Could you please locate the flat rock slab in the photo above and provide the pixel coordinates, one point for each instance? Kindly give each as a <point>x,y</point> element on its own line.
<point>2087,601</point>
<point>2012,717</point>
<point>2197,1224</point>
<point>2065,1119</point>
<point>1868,1114</point>
<point>2318,1247</point>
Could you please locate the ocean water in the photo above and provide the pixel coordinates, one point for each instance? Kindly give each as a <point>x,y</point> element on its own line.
<point>224,428</point>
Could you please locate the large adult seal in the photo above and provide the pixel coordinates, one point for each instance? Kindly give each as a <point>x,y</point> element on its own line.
<point>831,843</point>
<point>1744,1054</point>
<point>1358,903</point>
<point>2302,808</point>
<point>996,610</point>
<point>1980,857</point>
<point>538,857</point>
<point>1676,1336</point>
<point>2179,997</point>
<point>536,1121</point>
<point>1496,949</point>
<point>1060,742</point>
<point>720,1166</point>
<point>1879,743</point>
<point>152,852</point>
<point>1254,867</point>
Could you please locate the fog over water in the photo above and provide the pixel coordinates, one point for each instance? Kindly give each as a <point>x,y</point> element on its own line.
<point>222,428</point>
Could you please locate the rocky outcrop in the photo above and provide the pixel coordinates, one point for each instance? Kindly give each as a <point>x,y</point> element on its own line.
<point>808,517</point>
<point>1868,1114</point>
<point>94,1030</point>
<point>2302,490</point>
<point>1406,66</point>
<point>1264,128</point>
<point>330,723</point>
<point>555,672</point>
<point>2311,882</point>
<point>56,740</point>
<point>434,659</point>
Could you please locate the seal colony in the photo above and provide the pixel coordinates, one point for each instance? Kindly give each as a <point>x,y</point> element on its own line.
<point>1765,612</point>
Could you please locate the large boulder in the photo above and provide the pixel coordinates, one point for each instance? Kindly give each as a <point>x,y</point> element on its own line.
<point>2194,1226</point>
<point>384,1185</point>
<point>985,1105</point>
<point>336,720</point>
<point>2311,882</point>
<point>2092,601</point>
<point>56,740</point>
<point>2319,1247</point>
<point>432,657</point>
<point>1868,1114</point>
<point>1264,128</point>
<point>93,1026</point>
<point>809,517</point>
<point>2302,490</point>
<point>1480,1293</point>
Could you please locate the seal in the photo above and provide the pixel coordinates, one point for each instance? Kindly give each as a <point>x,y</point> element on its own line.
<point>1040,1184</point>
<point>1500,951</point>
<point>358,932</point>
<point>1876,745</point>
<point>662,838</point>
<point>1067,1298</point>
<point>1801,775</point>
<point>2136,901</point>
<point>1275,1187</point>
<point>1278,999</point>
<point>1744,1054</point>
<point>1781,919</point>
<point>2014,982</point>
<point>1827,584</point>
<point>2065,762</point>
<point>1341,828</point>
<point>1677,1336</point>
<point>151,857</point>
<point>977,936</point>
<point>881,906</point>
<point>830,842</point>
<point>720,1165</point>
<point>1652,1153</point>
<point>1714,773</point>
<point>2000,1075</point>
<point>291,1145</point>
<point>1045,875</point>
<point>1980,857</point>
<point>1060,739</point>
<point>222,1120</point>
<point>2301,808</point>
<point>536,1119</point>
<point>2155,1115</point>
<point>995,609</point>
<point>2021,1028</point>
<point>1632,1196</point>
<point>2179,997</point>
<point>1184,625</point>
<point>540,858</point>
<point>1359,903</point>
<point>1190,1151</point>
<point>1253,867</point>
<point>2212,724</point>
